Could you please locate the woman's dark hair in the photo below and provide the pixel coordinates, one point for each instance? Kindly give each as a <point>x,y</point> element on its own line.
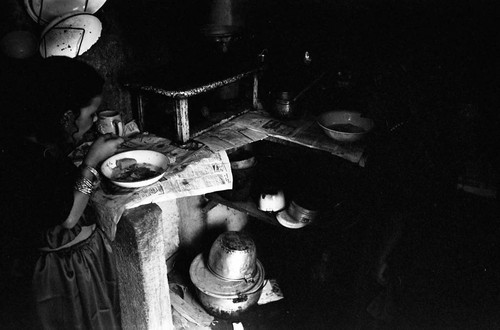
<point>54,86</point>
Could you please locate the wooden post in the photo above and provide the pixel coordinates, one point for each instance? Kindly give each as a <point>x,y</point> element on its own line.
<point>182,119</point>
<point>255,94</point>
<point>140,112</point>
<point>142,270</point>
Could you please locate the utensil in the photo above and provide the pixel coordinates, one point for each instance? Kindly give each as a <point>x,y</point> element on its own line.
<point>233,256</point>
<point>70,35</point>
<point>272,200</point>
<point>109,121</point>
<point>111,165</point>
<point>243,164</point>
<point>344,125</point>
<point>301,214</point>
<point>285,106</point>
<point>44,11</point>
<point>287,221</point>
<point>222,298</point>
<point>296,216</point>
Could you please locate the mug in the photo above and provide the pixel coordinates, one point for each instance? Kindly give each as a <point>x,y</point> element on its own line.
<point>272,200</point>
<point>110,121</point>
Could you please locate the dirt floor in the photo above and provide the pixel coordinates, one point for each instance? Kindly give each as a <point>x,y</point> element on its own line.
<point>442,275</point>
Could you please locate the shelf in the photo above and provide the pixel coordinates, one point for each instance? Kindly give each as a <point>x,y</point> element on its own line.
<point>247,207</point>
<point>302,132</point>
<point>348,218</point>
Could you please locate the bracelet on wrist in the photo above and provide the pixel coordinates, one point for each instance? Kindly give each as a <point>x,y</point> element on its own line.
<point>84,186</point>
<point>91,170</point>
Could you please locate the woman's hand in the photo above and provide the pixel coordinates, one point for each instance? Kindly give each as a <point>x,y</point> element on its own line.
<point>103,147</point>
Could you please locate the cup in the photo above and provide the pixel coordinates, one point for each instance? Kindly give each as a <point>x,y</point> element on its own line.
<point>110,121</point>
<point>272,200</point>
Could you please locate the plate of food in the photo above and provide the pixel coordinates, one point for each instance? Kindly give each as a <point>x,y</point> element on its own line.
<point>135,168</point>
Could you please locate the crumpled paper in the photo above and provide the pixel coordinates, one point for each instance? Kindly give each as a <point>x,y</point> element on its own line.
<point>271,292</point>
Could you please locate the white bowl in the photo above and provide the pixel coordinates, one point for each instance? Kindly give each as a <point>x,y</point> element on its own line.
<point>296,216</point>
<point>287,221</point>
<point>345,126</point>
<point>110,165</point>
<point>70,35</point>
<point>44,11</point>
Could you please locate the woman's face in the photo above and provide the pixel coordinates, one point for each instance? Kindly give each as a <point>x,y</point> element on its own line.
<point>86,118</point>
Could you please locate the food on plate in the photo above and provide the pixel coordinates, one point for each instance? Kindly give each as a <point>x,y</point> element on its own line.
<point>129,170</point>
<point>346,128</point>
<point>125,162</point>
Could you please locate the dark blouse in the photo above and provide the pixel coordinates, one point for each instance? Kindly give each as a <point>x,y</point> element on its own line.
<point>37,195</point>
<point>74,287</point>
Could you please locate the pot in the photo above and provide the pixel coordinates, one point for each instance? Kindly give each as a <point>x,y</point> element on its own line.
<point>222,298</point>
<point>233,256</point>
<point>296,216</point>
<point>301,214</point>
<point>285,106</point>
<point>243,165</point>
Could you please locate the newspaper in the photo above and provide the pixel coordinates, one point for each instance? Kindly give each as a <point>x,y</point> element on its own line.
<point>203,176</point>
<point>77,155</point>
<point>258,125</point>
<point>230,135</point>
<point>194,171</point>
<point>176,156</point>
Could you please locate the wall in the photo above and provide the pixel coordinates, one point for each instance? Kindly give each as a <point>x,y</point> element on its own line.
<point>110,55</point>
<point>447,43</point>
<point>199,227</point>
<point>422,61</point>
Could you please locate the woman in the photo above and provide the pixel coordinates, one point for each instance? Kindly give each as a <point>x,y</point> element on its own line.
<point>51,236</point>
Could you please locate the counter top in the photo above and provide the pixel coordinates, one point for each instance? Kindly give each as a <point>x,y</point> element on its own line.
<point>243,129</point>
<point>192,172</point>
<point>259,125</point>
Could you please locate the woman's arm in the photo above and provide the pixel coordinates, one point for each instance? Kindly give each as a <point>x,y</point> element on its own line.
<point>80,201</point>
<point>104,147</point>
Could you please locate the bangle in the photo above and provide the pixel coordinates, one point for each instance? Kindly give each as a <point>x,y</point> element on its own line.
<point>91,170</point>
<point>84,186</point>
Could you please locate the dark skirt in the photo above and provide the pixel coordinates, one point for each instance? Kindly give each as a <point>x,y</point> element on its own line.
<point>77,287</point>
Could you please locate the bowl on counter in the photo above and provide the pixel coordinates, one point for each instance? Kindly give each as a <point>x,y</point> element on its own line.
<point>344,125</point>
<point>135,168</point>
